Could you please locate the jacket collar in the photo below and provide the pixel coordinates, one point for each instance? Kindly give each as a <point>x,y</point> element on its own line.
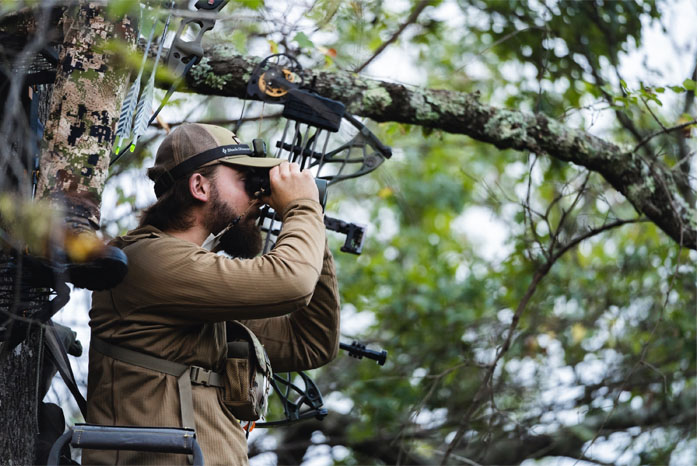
<point>138,234</point>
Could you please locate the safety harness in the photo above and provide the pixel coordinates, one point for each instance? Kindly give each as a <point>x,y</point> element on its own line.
<point>186,375</point>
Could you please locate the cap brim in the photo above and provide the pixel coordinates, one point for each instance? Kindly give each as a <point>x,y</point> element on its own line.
<point>247,161</point>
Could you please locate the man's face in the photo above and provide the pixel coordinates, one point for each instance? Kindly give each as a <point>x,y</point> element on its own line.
<point>228,202</point>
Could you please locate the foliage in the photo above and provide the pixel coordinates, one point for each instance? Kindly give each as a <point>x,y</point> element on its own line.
<point>528,310</point>
<point>601,364</point>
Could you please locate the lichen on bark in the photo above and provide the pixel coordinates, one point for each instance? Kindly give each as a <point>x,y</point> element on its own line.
<point>376,97</point>
<point>204,71</point>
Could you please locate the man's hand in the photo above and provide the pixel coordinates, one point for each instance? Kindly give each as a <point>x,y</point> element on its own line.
<point>288,184</point>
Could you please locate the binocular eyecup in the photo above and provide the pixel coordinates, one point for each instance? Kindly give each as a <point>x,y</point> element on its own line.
<point>257,185</point>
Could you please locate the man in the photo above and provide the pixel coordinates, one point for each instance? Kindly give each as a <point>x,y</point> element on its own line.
<point>176,296</point>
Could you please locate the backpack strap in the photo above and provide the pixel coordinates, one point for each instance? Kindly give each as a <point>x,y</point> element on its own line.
<point>186,375</point>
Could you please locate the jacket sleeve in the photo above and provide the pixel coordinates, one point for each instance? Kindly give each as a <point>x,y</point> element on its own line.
<point>169,276</point>
<point>307,338</point>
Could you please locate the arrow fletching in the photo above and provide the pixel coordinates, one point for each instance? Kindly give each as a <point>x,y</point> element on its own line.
<point>143,110</point>
<point>126,114</point>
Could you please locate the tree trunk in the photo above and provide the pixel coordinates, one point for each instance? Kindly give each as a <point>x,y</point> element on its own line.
<point>80,119</point>
<point>84,111</point>
<point>21,346</point>
<point>18,378</point>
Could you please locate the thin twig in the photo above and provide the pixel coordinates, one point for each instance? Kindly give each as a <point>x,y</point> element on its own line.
<point>539,274</point>
<point>228,121</point>
<point>663,131</point>
<point>640,362</point>
<point>411,19</point>
<point>653,115</point>
<point>506,37</point>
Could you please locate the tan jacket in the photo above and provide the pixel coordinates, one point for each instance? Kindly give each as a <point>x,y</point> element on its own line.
<point>173,304</point>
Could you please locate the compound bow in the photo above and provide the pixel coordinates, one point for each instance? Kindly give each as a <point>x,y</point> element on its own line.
<point>311,120</point>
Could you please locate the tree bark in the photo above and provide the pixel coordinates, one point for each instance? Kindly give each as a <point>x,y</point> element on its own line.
<point>19,367</point>
<point>79,121</point>
<point>84,110</point>
<point>647,184</point>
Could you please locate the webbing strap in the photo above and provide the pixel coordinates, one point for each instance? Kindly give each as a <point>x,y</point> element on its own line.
<point>184,387</point>
<point>186,375</point>
<point>137,359</point>
<point>167,179</point>
<point>197,375</point>
<point>60,357</point>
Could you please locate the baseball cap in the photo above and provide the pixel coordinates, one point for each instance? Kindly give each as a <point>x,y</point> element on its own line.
<point>194,145</point>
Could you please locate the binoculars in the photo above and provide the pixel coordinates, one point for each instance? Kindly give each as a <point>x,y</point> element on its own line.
<point>257,182</point>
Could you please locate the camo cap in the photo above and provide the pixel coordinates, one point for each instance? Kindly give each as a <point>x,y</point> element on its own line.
<point>194,145</point>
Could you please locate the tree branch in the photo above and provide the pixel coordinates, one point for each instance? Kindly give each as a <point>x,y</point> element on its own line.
<point>647,186</point>
<point>538,276</point>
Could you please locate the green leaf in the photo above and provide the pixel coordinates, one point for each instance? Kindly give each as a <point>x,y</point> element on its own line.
<point>656,100</point>
<point>239,40</point>
<point>119,8</point>
<point>252,4</point>
<point>690,85</point>
<point>303,41</point>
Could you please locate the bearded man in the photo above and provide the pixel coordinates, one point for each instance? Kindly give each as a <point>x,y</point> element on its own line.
<point>176,298</point>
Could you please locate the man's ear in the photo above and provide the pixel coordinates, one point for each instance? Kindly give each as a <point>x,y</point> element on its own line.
<point>200,187</point>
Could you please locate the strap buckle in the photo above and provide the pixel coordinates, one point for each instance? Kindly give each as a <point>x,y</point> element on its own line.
<point>199,375</point>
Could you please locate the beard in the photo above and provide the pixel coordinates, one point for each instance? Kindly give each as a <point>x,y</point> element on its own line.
<point>243,238</point>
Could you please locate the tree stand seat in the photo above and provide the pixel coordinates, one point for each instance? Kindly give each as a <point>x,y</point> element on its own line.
<point>153,439</point>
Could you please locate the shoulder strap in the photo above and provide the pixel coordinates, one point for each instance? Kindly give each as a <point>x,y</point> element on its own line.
<point>59,356</point>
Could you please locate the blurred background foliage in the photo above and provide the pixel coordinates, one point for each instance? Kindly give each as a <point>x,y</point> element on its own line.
<point>467,241</point>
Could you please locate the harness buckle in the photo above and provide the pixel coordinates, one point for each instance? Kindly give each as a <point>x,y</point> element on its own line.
<point>199,375</point>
